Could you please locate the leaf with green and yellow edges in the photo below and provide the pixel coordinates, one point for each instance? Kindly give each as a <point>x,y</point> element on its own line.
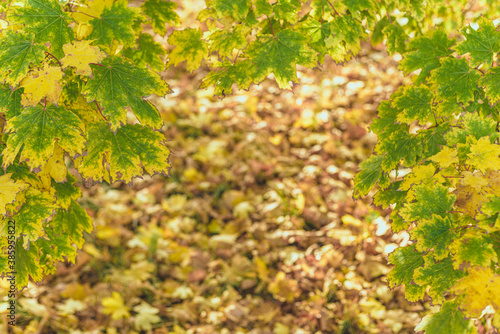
<point>72,223</point>
<point>148,52</point>
<point>189,47</point>
<point>392,195</point>
<point>53,248</point>
<point>9,190</point>
<point>399,146</point>
<point>472,125</point>
<point>446,157</point>
<point>38,208</point>
<point>454,80</point>
<point>396,38</point>
<point>492,206</point>
<point>385,124</point>
<point>415,104</point>
<point>474,249</point>
<point>280,55</point>
<point>287,10</point>
<point>225,41</point>
<point>349,31</point>
<point>419,173</point>
<point>161,12</point>
<point>425,54</point>
<point>484,155</point>
<point>435,233</point>
<point>429,199</point>
<point>480,288</point>
<point>263,7</point>
<point>35,130</point>
<point>27,264</point>
<point>432,139</point>
<point>481,43</point>
<point>114,24</point>
<point>17,53</point>
<point>46,20</point>
<point>440,276</point>
<point>227,74</point>
<point>491,83</point>
<point>119,85</point>
<point>405,260</point>
<point>448,320</point>
<point>370,173</point>
<point>10,101</point>
<point>126,153</point>
<point>237,9</point>
<point>66,192</point>
<point>359,6</point>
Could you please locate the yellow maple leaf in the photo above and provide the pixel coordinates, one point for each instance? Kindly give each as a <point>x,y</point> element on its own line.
<point>480,288</point>
<point>9,190</point>
<point>55,168</point>
<point>475,180</point>
<point>87,11</point>
<point>484,155</point>
<point>446,157</point>
<point>42,83</point>
<point>468,201</point>
<point>80,54</point>
<point>115,306</point>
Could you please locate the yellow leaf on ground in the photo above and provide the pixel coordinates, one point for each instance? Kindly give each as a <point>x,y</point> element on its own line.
<point>80,54</point>
<point>42,83</point>
<point>115,306</point>
<point>8,190</point>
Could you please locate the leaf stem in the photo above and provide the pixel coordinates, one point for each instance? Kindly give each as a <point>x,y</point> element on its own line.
<point>96,64</point>
<point>58,61</point>
<point>271,25</point>
<point>331,5</point>
<point>100,111</point>
<point>76,11</point>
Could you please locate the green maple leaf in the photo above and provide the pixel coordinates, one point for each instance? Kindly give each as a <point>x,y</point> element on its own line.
<point>114,24</point>
<point>279,55</point>
<point>126,153</point>
<point>227,74</point>
<point>391,195</point>
<point>491,83</point>
<point>188,46</point>
<point>385,123</point>
<point>471,125</point>
<point>10,101</point>
<point>481,44</point>
<point>224,41</point>
<point>370,173</point>
<point>415,104</point>
<point>349,31</point>
<point>17,53</point>
<point>27,264</point>
<point>399,146</point>
<point>358,5</point>
<point>425,54</point>
<point>237,9</point>
<point>405,260</point>
<point>476,250</point>
<point>287,10</point>
<point>161,12</point>
<point>72,223</point>
<point>396,38</point>
<point>53,248</point>
<point>448,320</point>
<point>147,52</point>
<point>454,80</point>
<point>435,233</point>
<point>36,129</point>
<point>263,7</point>
<point>118,85</point>
<point>492,206</point>
<point>66,192</point>
<point>432,139</point>
<point>47,21</point>
<point>38,208</point>
<point>440,276</point>
<point>430,199</point>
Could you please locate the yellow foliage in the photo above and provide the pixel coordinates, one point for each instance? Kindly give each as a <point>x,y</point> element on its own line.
<point>115,306</point>
<point>446,157</point>
<point>484,155</point>
<point>42,83</point>
<point>80,54</point>
<point>9,190</point>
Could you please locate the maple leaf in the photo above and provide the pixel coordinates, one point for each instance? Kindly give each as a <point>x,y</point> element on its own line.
<point>358,5</point>
<point>80,54</point>
<point>440,276</point>
<point>38,208</point>
<point>66,192</point>
<point>419,173</point>
<point>480,43</point>
<point>26,264</point>
<point>72,222</point>
<point>227,74</point>
<point>391,195</point>
<point>396,38</point>
<point>55,168</point>
<point>90,9</point>
<point>370,173</point>
<point>472,125</point>
<point>263,7</point>
<point>42,83</point>
<point>46,20</point>
<point>8,190</point>
<point>425,54</point>
<point>161,12</point>
<point>491,83</point>
<point>127,152</point>
<point>237,9</point>
<point>405,260</point>
<point>473,249</point>
<point>399,145</point>
<point>188,46</point>
<point>36,130</point>
<point>224,41</point>
<point>279,55</point>
<point>114,24</point>
<point>115,306</point>
<point>432,139</point>
<point>147,52</point>
<point>349,31</point>
<point>480,288</point>
<point>414,103</point>
<point>435,233</point>
<point>287,10</point>
<point>17,53</point>
<point>448,320</point>
<point>446,157</point>
<point>119,85</point>
<point>492,206</point>
<point>146,316</point>
<point>430,199</point>
<point>484,155</point>
<point>454,80</point>
<point>10,101</point>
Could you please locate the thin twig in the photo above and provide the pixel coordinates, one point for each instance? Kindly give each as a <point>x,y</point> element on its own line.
<point>76,11</point>
<point>331,5</point>
<point>99,108</point>
<point>50,54</point>
<point>271,25</point>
